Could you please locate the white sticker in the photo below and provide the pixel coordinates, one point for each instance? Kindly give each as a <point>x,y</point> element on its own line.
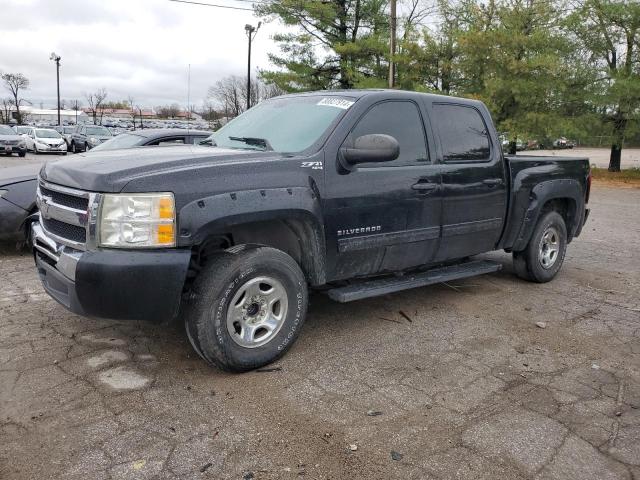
<point>336,102</point>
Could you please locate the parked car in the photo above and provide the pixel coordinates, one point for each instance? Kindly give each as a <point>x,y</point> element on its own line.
<point>86,137</point>
<point>45,140</point>
<point>22,129</point>
<point>153,137</point>
<point>563,143</point>
<point>65,131</point>
<point>11,142</point>
<point>17,200</point>
<point>354,193</point>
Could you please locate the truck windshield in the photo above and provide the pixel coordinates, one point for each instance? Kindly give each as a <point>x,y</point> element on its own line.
<point>289,124</point>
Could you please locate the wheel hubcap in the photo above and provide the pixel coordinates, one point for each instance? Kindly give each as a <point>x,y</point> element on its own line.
<point>549,247</point>
<point>256,312</point>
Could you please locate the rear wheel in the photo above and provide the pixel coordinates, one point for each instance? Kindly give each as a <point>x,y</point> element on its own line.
<point>248,308</point>
<point>22,154</point>
<point>543,256</point>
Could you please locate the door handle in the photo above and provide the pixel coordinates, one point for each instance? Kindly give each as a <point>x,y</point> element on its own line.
<point>425,187</point>
<point>492,181</point>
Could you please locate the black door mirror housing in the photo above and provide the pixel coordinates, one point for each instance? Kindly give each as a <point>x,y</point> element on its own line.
<point>375,147</point>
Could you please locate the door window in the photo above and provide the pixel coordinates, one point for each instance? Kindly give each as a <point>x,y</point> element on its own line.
<point>167,141</point>
<point>462,132</point>
<point>401,120</point>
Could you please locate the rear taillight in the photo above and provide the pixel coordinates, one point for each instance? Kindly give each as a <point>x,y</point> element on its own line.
<point>586,197</point>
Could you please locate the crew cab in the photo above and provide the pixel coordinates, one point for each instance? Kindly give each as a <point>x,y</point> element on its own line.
<point>355,193</point>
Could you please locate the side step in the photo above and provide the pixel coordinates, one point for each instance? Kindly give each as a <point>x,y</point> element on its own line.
<point>382,286</point>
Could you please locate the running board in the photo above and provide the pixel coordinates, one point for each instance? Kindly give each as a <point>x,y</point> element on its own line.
<point>382,286</point>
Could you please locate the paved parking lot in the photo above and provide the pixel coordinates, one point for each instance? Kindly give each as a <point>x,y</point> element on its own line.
<point>452,381</point>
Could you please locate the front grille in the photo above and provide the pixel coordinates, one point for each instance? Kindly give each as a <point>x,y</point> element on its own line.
<point>10,142</point>
<point>65,230</point>
<point>65,199</point>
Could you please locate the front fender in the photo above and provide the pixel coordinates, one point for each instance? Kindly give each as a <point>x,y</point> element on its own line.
<point>216,214</point>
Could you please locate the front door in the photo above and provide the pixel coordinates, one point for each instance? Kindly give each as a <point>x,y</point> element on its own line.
<point>384,216</point>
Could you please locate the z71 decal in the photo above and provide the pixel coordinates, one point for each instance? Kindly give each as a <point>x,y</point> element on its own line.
<point>312,165</point>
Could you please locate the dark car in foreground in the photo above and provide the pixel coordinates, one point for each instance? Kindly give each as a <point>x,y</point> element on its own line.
<point>153,137</point>
<point>17,200</point>
<point>353,193</point>
<point>11,142</point>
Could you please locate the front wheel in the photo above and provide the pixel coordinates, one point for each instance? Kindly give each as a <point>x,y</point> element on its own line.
<point>542,258</point>
<point>247,308</point>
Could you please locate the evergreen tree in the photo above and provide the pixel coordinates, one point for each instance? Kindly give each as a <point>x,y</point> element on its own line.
<point>609,32</point>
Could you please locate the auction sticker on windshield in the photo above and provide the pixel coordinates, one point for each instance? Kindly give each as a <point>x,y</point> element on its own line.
<point>336,102</point>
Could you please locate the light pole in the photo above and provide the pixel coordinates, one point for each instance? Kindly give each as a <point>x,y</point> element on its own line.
<point>56,58</point>
<point>251,34</point>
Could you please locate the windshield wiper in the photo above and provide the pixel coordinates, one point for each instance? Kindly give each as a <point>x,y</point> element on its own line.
<point>254,141</point>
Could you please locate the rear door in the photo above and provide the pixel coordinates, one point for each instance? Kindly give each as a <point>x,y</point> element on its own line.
<point>474,201</point>
<point>383,216</point>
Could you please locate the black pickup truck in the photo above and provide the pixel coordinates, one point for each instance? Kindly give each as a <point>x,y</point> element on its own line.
<point>355,193</point>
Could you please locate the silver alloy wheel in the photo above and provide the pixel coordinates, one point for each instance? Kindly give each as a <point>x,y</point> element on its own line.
<point>549,248</point>
<point>257,311</point>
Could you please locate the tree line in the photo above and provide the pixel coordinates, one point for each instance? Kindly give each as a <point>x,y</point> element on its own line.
<point>544,68</point>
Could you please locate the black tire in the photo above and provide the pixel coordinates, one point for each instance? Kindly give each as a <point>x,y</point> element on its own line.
<point>528,264</point>
<point>22,154</point>
<point>73,147</point>
<point>215,288</point>
<point>86,147</point>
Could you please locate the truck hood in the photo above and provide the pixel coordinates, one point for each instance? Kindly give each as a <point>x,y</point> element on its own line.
<point>112,170</point>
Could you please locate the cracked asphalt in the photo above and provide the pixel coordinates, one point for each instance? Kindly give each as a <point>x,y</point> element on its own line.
<point>457,380</point>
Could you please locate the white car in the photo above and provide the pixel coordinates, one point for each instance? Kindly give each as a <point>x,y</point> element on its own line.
<point>41,140</point>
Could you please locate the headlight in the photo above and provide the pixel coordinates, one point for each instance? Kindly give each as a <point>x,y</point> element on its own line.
<point>22,144</point>
<point>3,192</point>
<point>137,220</point>
<point>93,140</point>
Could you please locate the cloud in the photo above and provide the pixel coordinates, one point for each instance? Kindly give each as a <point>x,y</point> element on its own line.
<point>140,48</point>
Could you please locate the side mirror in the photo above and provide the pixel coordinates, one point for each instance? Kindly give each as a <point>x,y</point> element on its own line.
<point>371,148</point>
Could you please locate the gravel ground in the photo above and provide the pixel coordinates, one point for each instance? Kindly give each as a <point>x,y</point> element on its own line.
<point>451,381</point>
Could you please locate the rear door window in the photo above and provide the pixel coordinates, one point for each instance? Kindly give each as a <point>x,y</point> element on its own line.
<point>463,134</point>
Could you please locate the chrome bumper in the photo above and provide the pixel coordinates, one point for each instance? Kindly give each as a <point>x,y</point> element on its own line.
<point>63,258</point>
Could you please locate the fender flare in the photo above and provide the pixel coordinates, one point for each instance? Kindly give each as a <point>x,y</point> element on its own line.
<point>541,194</point>
<point>216,214</point>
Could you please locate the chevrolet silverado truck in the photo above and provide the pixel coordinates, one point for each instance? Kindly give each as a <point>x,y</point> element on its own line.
<point>352,193</point>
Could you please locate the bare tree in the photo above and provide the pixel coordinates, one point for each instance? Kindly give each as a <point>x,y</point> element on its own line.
<point>94,103</point>
<point>168,111</point>
<point>7,106</point>
<point>15,82</point>
<point>230,94</point>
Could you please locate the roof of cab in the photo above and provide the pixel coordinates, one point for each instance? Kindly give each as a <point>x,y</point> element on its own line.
<point>359,93</point>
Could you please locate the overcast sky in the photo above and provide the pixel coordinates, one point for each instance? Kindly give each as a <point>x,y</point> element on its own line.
<point>140,48</point>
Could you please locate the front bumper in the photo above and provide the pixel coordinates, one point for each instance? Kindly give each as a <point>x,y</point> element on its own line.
<point>9,149</point>
<point>52,148</point>
<point>116,284</point>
